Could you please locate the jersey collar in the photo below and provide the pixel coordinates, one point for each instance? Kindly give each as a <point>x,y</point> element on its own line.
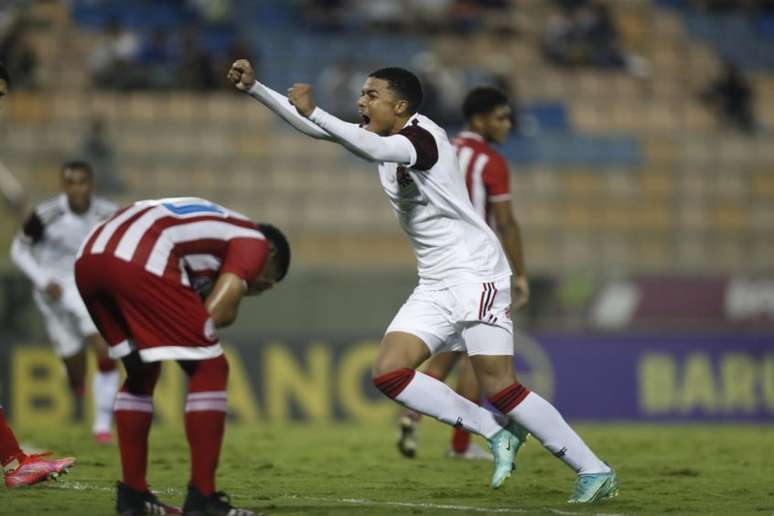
<point>471,135</point>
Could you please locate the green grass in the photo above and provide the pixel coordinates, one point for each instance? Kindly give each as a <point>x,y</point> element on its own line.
<point>348,469</point>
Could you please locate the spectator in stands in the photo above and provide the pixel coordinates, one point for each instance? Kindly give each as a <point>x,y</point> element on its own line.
<point>157,56</point>
<point>112,63</point>
<point>97,149</point>
<point>197,71</point>
<point>730,96</point>
<point>583,34</point>
<point>17,53</point>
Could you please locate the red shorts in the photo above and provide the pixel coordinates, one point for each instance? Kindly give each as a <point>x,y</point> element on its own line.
<point>135,309</point>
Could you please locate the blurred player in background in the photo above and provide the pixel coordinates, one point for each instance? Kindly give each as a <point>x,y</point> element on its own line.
<point>488,117</point>
<point>19,468</point>
<point>45,251</point>
<point>136,273</point>
<point>463,299</point>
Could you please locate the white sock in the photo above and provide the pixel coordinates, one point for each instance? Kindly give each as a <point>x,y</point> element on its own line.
<point>429,396</point>
<point>105,387</point>
<point>543,421</point>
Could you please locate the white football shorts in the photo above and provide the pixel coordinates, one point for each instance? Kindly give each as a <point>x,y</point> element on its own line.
<point>471,317</point>
<point>68,321</point>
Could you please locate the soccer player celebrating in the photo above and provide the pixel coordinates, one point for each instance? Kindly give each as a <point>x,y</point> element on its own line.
<point>45,251</point>
<point>488,119</point>
<point>19,468</point>
<point>158,278</point>
<point>462,302</point>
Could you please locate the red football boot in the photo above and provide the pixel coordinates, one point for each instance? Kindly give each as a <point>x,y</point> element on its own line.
<point>35,468</point>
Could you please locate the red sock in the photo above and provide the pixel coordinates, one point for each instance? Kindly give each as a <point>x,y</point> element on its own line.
<point>9,447</point>
<point>133,416</point>
<point>460,440</point>
<point>205,418</point>
<point>133,428</point>
<point>105,365</point>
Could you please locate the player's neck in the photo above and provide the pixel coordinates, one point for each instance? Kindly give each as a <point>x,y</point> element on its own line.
<point>79,210</point>
<point>400,123</point>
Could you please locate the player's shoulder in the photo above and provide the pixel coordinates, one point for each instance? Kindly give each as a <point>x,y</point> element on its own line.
<point>104,207</point>
<point>50,210</point>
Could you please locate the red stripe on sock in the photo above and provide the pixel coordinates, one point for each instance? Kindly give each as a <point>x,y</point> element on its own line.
<point>508,398</point>
<point>393,383</point>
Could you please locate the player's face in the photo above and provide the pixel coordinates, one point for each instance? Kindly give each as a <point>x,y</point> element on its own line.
<point>266,279</point>
<point>497,124</point>
<point>78,185</point>
<point>379,106</point>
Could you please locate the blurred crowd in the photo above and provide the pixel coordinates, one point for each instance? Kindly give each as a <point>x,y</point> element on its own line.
<point>427,16</point>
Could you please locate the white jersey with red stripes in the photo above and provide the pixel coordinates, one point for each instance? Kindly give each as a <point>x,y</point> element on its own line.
<point>486,173</point>
<point>176,237</point>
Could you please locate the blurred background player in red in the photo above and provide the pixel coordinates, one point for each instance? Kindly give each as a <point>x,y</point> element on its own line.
<point>19,468</point>
<point>158,278</point>
<point>45,250</point>
<point>488,119</point>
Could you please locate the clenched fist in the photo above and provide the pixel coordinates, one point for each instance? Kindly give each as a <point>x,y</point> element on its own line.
<point>300,95</point>
<point>241,74</point>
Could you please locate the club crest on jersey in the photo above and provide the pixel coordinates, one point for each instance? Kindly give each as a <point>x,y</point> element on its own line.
<point>404,178</point>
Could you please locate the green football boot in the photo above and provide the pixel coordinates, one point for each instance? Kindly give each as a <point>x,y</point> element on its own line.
<point>595,486</point>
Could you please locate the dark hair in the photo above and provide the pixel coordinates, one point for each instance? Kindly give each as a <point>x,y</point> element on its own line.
<point>4,74</point>
<point>281,245</point>
<point>482,100</point>
<point>405,84</point>
<point>78,164</point>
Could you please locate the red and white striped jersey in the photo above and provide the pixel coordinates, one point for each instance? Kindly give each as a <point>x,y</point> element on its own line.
<point>177,238</point>
<point>486,173</point>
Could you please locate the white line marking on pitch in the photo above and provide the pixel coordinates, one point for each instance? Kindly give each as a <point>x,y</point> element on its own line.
<point>81,486</point>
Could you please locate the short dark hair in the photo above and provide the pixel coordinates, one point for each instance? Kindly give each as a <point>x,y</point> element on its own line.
<point>4,74</point>
<point>483,100</point>
<point>404,83</point>
<point>78,164</point>
<point>281,245</point>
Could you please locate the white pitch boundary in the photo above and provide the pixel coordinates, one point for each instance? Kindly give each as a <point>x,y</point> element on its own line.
<point>81,486</point>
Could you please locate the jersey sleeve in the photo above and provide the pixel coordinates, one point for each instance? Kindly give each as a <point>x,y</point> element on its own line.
<point>33,229</point>
<point>245,257</point>
<point>497,179</point>
<point>424,145</point>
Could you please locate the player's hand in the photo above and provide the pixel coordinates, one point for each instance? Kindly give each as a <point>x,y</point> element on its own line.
<point>519,292</point>
<point>300,95</point>
<point>53,291</point>
<point>241,74</point>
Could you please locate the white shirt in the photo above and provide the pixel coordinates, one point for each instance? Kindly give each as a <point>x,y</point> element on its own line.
<point>420,174</point>
<point>46,247</point>
<point>451,242</point>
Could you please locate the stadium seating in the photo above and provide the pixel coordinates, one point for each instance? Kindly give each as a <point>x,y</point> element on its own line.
<point>612,170</point>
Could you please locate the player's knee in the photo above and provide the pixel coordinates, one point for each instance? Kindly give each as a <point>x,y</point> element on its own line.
<point>141,381</point>
<point>393,382</point>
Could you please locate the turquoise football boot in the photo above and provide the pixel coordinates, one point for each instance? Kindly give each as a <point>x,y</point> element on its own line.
<point>595,486</point>
<point>504,446</point>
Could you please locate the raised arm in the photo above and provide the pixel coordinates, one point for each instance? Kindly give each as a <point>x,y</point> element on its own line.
<point>413,146</point>
<point>243,77</point>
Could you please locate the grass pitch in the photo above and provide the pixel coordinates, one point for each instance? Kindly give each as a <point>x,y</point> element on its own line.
<point>350,470</point>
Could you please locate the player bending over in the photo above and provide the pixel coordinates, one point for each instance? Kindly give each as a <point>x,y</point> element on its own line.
<point>19,468</point>
<point>45,251</point>
<point>137,273</point>
<point>487,120</point>
<point>462,302</point>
